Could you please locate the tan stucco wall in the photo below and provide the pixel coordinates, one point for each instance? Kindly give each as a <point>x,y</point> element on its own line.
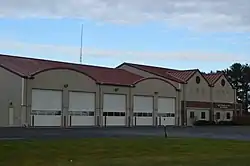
<point>197,92</point>
<point>55,80</point>
<point>148,87</point>
<point>223,94</point>
<point>11,90</point>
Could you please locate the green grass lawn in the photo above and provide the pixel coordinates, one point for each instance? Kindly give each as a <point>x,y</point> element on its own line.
<point>125,152</point>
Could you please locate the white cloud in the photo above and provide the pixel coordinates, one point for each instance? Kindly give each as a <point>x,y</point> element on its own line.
<point>232,15</point>
<point>71,52</point>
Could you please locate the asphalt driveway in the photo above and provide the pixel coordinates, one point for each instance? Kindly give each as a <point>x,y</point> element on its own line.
<point>218,132</point>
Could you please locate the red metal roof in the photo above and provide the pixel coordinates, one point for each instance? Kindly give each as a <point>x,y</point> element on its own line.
<point>212,78</point>
<point>27,67</point>
<point>180,76</point>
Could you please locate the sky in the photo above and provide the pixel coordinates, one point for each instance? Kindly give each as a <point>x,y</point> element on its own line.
<point>182,34</point>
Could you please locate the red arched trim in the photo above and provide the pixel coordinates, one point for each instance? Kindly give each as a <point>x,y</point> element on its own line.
<point>62,68</point>
<point>150,78</point>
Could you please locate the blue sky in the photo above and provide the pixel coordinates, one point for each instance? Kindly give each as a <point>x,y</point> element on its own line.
<point>209,45</point>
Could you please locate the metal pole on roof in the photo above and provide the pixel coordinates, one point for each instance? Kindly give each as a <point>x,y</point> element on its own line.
<point>81,44</point>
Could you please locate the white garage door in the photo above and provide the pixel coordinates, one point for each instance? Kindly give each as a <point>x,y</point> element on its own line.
<point>143,111</point>
<point>114,108</point>
<point>81,109</point>
<point>166,111</point>
<point>46,108</point>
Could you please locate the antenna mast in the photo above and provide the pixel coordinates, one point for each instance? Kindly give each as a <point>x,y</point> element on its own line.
<point>81,44</point>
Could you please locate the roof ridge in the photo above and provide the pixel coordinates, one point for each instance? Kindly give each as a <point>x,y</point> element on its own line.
<point>48,60</point>
<point>159,67</point>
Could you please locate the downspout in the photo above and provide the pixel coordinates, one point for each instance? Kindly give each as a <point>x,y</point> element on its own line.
<point>130,114</point>
<point>99,118</point>
<point>179,104</point>
<point>22,95</point>
<point>212,103</point>
<point>184,109</point>
<point>24,102</point>
<point>23,109</point>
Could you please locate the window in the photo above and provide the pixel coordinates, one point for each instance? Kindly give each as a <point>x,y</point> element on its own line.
<point>91,113</point>
<point>140,114</point>
<point>198,79</point>
<point>203,115</point>
<point>223,82</point>
<point>110,114</point>
<point>117,114</point>
<point>191,114</point>
<point>228,115</point>
<point>217,115</point>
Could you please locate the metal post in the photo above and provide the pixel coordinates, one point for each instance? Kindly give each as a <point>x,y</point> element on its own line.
<point>129,121</point>
<point>65,121</point>
<point>165,131</point>
<point>105,121</point>
<point>33,121</point>
<point>98,121</point>
<point>135,120</point>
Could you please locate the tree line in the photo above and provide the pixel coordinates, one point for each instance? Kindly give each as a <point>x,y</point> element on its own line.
<point>239,76</point>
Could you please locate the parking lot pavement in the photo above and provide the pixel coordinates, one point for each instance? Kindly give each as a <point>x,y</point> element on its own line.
<point>217,132</point>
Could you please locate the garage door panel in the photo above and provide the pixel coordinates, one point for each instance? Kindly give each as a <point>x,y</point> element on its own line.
<point>80,101</point>
<point>114,121</point>
<point>166,111</point>
<point>82,120</point>
<point>166,105</point>
<point>114,110</point>
<point>143,111</point>
<point>143,103</point>
<point>46,108</point>
<point>114,103</point>
<point>81,109</point>
<point>47,120</point>
<point>46,100</point>
<point>142,121</point>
